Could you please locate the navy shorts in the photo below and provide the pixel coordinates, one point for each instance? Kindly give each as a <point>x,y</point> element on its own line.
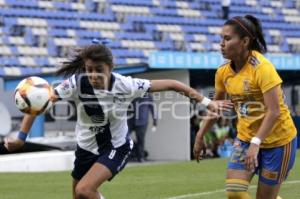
<point>274,164</point>
<point>114,159</point>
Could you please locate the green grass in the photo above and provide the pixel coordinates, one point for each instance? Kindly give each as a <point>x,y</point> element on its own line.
<point>141,182</point>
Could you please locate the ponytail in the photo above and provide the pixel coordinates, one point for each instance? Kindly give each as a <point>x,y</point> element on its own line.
<point>73,66</point>
<point>259,42</point>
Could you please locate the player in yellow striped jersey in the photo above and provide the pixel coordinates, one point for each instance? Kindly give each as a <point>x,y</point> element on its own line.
<point>266,139</point>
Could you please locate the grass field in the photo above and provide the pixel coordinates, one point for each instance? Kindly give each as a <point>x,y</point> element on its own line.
<point>185,180</point>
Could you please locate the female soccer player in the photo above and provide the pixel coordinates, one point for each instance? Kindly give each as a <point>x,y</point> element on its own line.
<point>101,99</point>
<point>266,138</point>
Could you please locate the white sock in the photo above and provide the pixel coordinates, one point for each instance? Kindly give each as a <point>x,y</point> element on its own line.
<point>101,196</point>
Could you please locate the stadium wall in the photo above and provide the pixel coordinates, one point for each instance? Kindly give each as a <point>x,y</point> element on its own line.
<point>37,162</point>
<point>171,141</point>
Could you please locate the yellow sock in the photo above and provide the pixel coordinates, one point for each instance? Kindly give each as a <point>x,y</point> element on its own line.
<point>237,189</point>
<point>278,197</point>
<point>238,195</point>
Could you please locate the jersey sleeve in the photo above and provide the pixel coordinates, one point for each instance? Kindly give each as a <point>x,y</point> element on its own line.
<point>267,77</point>
<point>67,88</point>
<point>219,84</point>
<point>140,87</point>
<point>135,87</point>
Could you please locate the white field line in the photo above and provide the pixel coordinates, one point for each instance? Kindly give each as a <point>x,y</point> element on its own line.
<point>219,190</point>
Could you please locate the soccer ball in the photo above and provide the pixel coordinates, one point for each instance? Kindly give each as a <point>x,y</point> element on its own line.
<point>33,95</point>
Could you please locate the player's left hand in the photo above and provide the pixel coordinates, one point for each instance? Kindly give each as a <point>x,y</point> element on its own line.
<point>219,106</point>
<point>13,144</point>
<point>251,161</point>
<point>199,149</point>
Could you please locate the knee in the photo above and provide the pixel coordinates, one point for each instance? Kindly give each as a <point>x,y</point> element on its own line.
<point>83,192</point>
<point>237,189</point>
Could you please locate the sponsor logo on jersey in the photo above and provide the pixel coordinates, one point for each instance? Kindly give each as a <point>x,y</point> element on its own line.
<point>141,85</point>
<point>271,175</point>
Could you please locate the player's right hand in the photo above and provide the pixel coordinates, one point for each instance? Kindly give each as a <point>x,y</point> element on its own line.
<point>13,144</point>
<point>219,106</point>
<point>199,148</point>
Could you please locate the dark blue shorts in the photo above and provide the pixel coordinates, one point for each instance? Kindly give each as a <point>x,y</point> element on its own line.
<point>274,164</point>
<point>114,159</point>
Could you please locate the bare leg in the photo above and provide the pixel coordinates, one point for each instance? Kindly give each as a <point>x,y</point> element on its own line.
<point>87,187</point>
<point>265,191</point>
<point>74,186</point>
<point>239,174</point>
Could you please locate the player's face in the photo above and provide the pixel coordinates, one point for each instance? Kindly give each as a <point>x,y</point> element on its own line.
<point>98,73</point>
<point>232,46</point>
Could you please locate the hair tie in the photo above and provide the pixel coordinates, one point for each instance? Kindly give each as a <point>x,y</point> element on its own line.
<point>260,45</point>
<point>243,26</point>
<point>100,41</point>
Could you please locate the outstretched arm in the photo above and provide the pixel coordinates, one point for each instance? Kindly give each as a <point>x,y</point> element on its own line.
<point>15,144</point>
<point>12,144</point>
<point>205,127</point>
<point>173,85</point>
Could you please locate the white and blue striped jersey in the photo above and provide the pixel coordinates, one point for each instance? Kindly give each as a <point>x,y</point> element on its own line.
<point>102,114</point>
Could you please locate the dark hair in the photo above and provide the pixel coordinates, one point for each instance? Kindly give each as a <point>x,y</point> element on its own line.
<point>249,26</point>
<point>96,52</point>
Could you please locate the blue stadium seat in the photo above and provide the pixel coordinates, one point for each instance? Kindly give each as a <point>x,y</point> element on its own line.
<point>2,72</point>
<point>133,2</point>
<point>165,45</point>
<point>134,36</point>
<point>21,3</point>
<point>128,53</point>
<point>62,5</point>
<point>164,12</point>
<point>55,20</point>
<point>42,61</point>
<point>195,29</point>
<point>9,61</point>
<point>64,24</point>
<point>57,32</point>
<point>28,71</point>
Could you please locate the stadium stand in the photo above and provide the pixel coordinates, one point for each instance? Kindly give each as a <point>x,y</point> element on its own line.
<point>37,35</point>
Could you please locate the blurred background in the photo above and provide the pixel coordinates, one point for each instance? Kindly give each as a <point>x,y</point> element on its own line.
<point>149,39</point>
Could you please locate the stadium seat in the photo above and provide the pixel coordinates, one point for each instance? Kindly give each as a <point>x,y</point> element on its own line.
<point>33,33</point>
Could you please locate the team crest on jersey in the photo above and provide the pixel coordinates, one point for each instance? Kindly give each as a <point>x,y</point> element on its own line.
<point>65,85</point>
<point>246,84</point>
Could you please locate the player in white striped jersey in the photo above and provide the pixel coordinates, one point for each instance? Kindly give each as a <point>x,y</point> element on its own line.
<point>101,99</point>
